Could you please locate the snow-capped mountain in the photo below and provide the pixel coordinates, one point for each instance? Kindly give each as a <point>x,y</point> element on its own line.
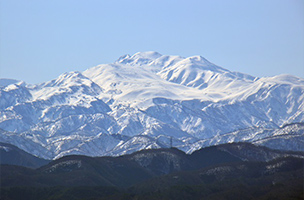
<point>150,100</point>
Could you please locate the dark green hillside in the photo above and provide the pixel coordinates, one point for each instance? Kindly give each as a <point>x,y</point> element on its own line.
<point>229,171</point>
<point>250,174</point>
<point>279,179</point>
<point>77,171</point>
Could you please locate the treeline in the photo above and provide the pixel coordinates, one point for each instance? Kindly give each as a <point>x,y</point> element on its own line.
<point>247,184</point>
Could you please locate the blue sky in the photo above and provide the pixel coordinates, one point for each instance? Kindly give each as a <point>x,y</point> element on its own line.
<point>39,40</point>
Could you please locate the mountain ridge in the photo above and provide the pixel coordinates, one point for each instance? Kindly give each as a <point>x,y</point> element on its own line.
<point>144,167</point>
<point>12,155</point>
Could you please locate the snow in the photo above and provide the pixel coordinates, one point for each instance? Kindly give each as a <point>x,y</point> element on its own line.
<point>5,148</point>
<point>141,101</point>
<point>5,82</point>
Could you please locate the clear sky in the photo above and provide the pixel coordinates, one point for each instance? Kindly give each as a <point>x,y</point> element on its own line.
<point>41,39</point>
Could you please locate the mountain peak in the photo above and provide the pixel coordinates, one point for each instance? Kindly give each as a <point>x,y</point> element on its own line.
<point>139,57</point>
<point>147,54</point>
<point>67,79</point>
<point>5,82</point>
<point>122,58</point>
<point>198,58</point>
<point>202,63</point>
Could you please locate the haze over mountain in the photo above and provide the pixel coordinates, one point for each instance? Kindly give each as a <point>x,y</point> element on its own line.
<point>149,100</point>
<point>12,155</point>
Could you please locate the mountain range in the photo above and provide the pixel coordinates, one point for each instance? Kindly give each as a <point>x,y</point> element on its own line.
<point>227,171</point>
<point>148,101</point>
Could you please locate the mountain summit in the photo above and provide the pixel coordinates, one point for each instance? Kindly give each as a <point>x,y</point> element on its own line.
<point>149,100</point>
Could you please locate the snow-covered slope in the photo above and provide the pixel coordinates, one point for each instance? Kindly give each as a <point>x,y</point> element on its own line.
<point>149,100</point>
